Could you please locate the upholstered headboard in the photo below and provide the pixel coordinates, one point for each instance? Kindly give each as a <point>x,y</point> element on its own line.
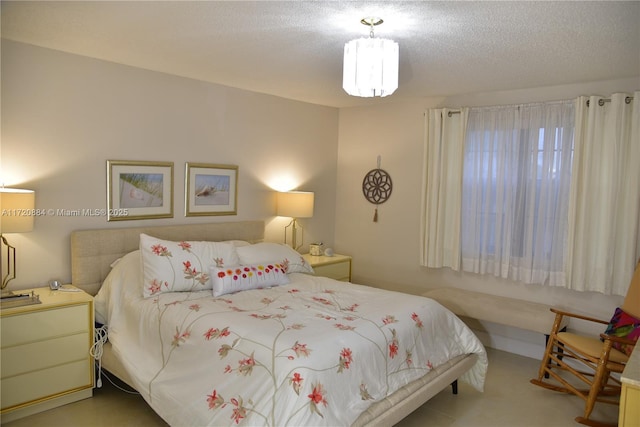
<point>93,251</point>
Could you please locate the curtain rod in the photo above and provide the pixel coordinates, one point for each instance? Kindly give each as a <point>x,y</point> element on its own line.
<point>627,100</point>
<point>601,101</point>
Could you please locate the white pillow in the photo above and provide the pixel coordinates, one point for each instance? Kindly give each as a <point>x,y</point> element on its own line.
<point>181,266</point>
<point>261,253</point>
<point>124,278</point>
<point>244,277</point>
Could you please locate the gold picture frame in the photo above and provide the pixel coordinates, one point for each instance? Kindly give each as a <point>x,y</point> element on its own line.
<point>210,189</point>
<point>139,190</point>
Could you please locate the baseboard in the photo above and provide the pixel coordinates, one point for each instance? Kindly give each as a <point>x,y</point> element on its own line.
<point>507,338</point>
<point>511,345</point>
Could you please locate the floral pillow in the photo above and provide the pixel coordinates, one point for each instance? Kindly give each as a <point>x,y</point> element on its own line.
<point>261,253</point>
<point>626,326</point>
<point>181,266</point>
<point>245,277</point>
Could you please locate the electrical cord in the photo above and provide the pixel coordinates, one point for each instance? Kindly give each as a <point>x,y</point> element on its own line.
<point>101,337</point>
<point>113,383</point>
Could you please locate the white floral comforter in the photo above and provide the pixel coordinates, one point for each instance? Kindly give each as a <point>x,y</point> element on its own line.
<point>314,352</point>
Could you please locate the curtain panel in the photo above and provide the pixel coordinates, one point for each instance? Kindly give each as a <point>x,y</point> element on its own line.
<point>442,187</point>
<point>604,216</point>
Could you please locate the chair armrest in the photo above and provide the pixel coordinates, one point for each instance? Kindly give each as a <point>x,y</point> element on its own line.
<point>618,339</point>
<point>579,316</point>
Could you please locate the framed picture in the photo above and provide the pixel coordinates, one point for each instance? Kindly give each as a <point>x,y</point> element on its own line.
<point>139,190</point>
<point>210,189</point>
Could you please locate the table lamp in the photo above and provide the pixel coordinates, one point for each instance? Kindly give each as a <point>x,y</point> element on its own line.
<point>295,204</point>
<point>16,216</point>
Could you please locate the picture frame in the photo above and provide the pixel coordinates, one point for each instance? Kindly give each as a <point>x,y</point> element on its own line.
<point>139,190</point>
<point>211,189</point>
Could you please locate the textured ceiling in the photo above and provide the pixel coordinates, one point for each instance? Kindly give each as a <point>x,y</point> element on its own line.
<point>294,49</point>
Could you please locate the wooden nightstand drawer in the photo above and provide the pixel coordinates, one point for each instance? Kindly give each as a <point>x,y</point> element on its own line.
<point>28,327</point>
<point>335,267</point>
<point>38,355</point>
<point>339,271</point>
<point>45,383</point>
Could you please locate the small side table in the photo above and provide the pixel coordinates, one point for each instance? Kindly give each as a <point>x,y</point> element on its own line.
<point>335,267</point>
<point>45,352</point>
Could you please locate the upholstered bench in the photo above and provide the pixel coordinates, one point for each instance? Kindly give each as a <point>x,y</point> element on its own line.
<point>518,313</point>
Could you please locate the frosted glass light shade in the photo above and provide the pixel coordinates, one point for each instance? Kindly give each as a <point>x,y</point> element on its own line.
<point>295,204</point>
<point>370,67</point>
<point>15,206</point>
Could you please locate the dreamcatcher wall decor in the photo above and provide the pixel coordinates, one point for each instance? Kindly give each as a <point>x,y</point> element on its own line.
<point>377,187</point>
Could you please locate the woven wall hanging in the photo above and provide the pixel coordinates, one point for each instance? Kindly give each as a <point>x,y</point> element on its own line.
<point>377,187</point>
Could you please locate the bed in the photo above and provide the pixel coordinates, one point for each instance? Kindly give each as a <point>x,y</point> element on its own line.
<point>296,349</point>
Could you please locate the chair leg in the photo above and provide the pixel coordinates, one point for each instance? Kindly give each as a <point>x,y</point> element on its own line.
<point>454,387</point>
<point>546,343</point>
<point>600,379</point>
<point>546,359</point>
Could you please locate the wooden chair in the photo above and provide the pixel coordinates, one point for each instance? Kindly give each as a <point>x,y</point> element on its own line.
<point>594,359</point>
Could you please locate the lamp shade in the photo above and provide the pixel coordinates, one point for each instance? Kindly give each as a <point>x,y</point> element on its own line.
<point>370,67</point>
<point>295,204</point>
<point>15,207</point>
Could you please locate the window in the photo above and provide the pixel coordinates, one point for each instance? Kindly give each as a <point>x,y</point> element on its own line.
<point>515,191</point>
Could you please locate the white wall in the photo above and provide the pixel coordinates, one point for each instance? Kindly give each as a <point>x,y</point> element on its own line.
<point>386,253</point>
<point>64,115</point>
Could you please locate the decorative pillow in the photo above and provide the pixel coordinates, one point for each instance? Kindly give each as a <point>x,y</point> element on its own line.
<point>626,326</point>
<point>244,277</point>
<point>264,253</point>
<point>181,266</point>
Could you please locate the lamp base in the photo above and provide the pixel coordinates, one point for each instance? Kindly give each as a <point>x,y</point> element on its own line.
<point>11,262</point>
<point>294,234</point>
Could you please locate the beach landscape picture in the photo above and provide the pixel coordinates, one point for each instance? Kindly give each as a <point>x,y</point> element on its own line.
<point>139,190</point>
<point>212,189</point>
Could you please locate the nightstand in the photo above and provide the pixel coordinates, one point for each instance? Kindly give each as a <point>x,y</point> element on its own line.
<point>44,352</point>
<point>336,267</point>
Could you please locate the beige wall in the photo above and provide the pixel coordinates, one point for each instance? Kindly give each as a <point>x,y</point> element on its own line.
<point>64,115</point>
<point>386,253</point>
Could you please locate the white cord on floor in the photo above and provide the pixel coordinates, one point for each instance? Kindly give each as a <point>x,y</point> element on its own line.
<point>96,351</point>
<point>117,386</point>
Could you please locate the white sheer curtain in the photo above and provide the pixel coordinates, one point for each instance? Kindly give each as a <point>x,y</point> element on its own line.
<point>517,171</point>
<point>442,187</point>
<point>604,212</point>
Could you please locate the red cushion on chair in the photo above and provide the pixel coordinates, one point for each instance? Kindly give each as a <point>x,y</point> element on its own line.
<point>626,326</point>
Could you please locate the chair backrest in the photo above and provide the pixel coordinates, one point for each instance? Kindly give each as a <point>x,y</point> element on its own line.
<point>631,303</point>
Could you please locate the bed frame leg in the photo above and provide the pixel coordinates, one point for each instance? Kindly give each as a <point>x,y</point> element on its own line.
<point>454,387</point>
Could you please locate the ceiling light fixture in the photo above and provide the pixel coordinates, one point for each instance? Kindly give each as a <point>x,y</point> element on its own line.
<point>370,64</point>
